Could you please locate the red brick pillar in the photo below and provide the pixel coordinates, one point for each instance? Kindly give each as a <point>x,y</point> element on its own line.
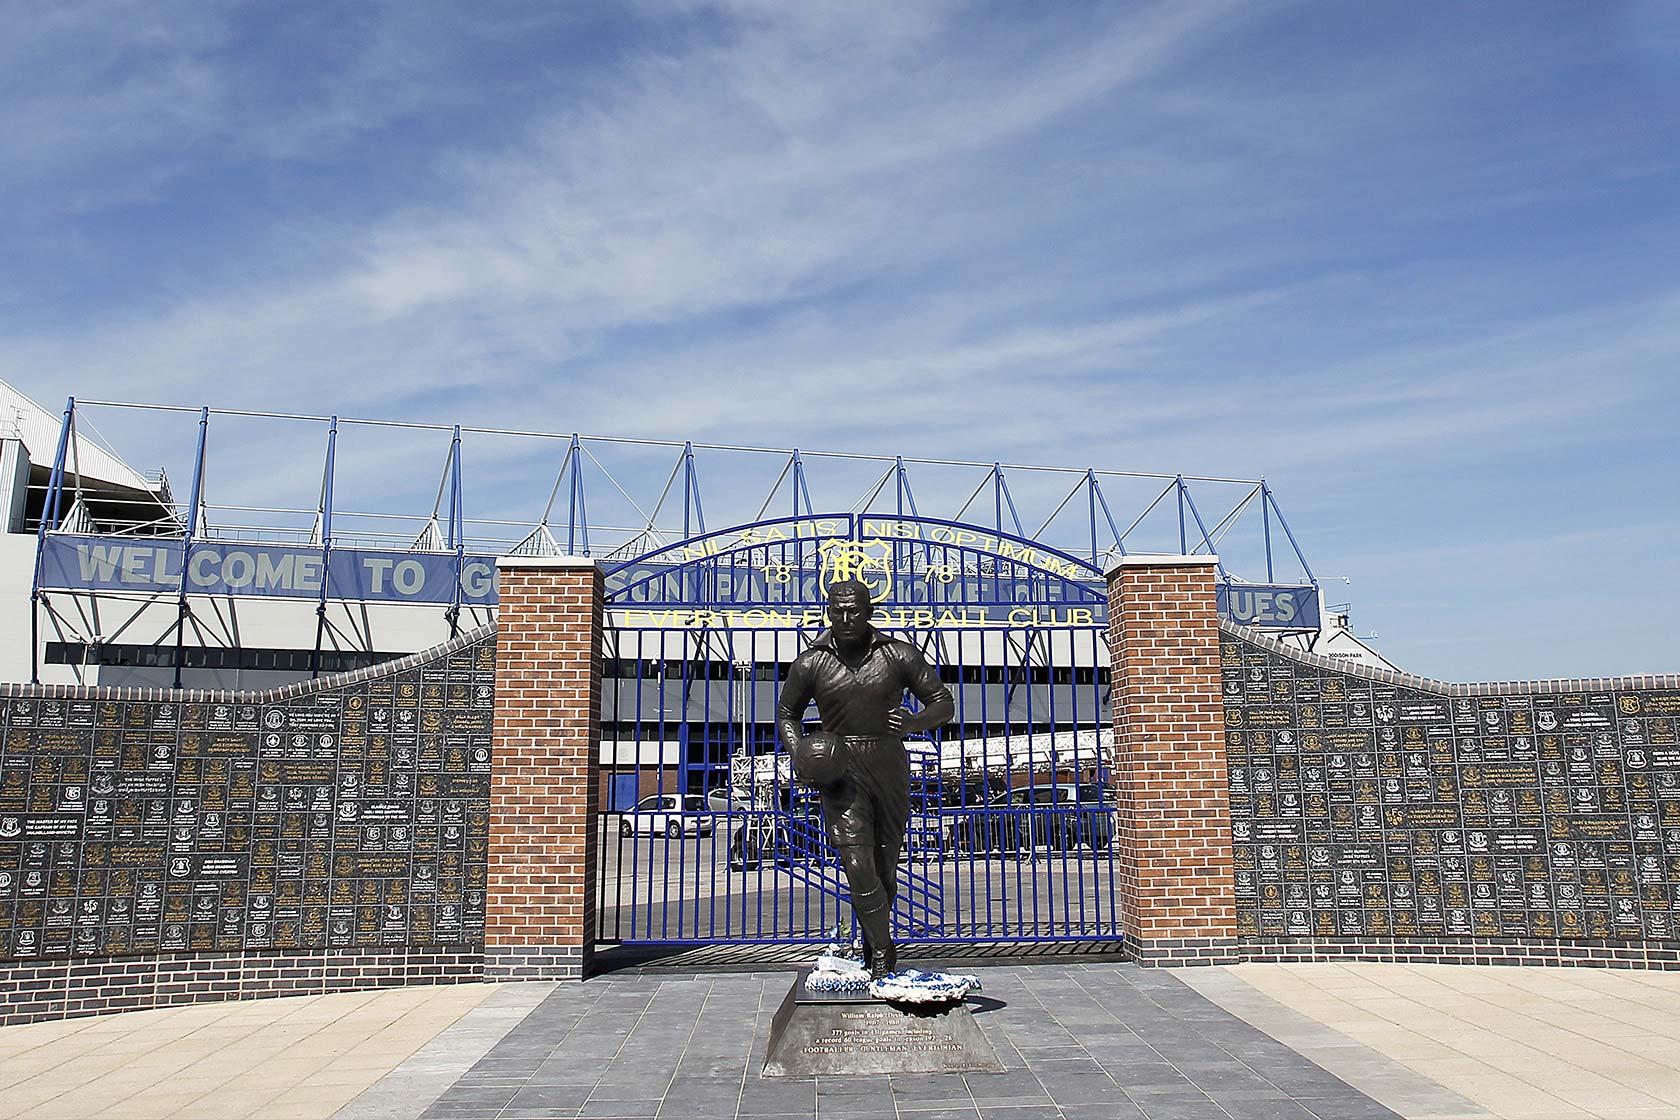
<point>539,919</point>
<point>1174,844</point>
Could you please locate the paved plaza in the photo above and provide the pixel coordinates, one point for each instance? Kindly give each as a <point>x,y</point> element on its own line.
<point>1079,1040</point>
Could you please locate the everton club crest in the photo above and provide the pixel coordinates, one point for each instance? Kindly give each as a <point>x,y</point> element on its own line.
<point>869,562</point>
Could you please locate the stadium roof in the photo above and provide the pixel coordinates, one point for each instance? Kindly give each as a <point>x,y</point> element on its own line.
<point>39,431</point>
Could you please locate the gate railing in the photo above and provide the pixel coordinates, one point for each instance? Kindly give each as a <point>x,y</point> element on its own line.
<point>1012,819</point>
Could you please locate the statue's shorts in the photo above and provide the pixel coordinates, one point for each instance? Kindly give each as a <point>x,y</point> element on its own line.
<point>866,813</point>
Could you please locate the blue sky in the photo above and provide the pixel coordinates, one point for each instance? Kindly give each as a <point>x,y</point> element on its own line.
<point>1415,263</point>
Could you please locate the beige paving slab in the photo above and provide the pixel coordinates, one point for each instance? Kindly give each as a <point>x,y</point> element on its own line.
<point>1521,1043</point>
<point>228,1102</point>
<point>302,1057</point>
<point>159,1100</point>
<point>310,1100</point>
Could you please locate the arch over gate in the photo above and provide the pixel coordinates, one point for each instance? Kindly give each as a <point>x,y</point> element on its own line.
<point>705,836</point>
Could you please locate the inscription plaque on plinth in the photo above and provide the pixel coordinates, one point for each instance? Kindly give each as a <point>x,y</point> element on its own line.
<point>828,1033</point>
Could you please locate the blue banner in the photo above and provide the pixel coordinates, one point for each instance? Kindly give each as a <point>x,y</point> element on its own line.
<point>153,566</point>
<point>94,563</point>
<point>1269,606</point>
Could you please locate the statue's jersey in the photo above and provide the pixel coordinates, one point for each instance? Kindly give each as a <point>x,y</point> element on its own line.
<point>870,805</point>
<point>855,702</point>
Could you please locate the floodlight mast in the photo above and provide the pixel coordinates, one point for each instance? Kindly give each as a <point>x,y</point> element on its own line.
<point>326,547</point>
<point>181,608</point>
<point>457,531</point>
<point>49,510</point>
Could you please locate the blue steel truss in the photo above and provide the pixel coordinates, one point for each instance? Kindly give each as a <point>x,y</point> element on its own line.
<point>605,473</point>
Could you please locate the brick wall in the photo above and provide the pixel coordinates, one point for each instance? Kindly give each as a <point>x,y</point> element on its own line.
<point>1173,849</point>
<point>544,792</point>
<point>71,987</point>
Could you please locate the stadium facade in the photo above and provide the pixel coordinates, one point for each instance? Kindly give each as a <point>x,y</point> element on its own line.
<point>119,577</point>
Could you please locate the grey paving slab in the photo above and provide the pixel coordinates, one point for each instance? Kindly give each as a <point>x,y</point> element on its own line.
<point>1077,1041</point>
<point>633,1109</point>
<point>1102,1112</point>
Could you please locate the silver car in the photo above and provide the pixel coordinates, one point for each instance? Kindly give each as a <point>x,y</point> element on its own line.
<point>673,814</point>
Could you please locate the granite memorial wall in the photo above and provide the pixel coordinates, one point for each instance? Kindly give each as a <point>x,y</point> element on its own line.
<point>1374,813</point>
<point>346,816</point>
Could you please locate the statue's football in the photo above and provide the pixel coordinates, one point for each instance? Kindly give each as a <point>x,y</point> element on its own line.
<point>818,760</point>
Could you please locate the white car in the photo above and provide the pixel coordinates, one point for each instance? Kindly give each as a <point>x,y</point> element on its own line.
<point>725,800</point>
<point>674,815</point>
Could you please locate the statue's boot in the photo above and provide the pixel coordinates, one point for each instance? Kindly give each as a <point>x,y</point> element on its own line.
<point>874,915</point>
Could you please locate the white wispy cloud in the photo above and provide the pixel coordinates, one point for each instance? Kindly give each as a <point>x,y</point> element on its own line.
<point>781,163</point>
<point>1119,237</point>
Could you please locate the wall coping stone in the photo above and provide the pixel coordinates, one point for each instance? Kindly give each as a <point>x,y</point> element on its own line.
<point>14,691</point>
<point>1444,688</point>
<point>505,562</point>
<point>1162,560</point>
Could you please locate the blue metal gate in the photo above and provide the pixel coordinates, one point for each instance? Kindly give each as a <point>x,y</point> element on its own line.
<point>1012,827</point>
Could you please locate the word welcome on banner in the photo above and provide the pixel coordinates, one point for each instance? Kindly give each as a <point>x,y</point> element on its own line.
<point>96,563</point>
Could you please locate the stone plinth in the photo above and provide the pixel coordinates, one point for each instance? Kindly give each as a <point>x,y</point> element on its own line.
<point>827,1034</point>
